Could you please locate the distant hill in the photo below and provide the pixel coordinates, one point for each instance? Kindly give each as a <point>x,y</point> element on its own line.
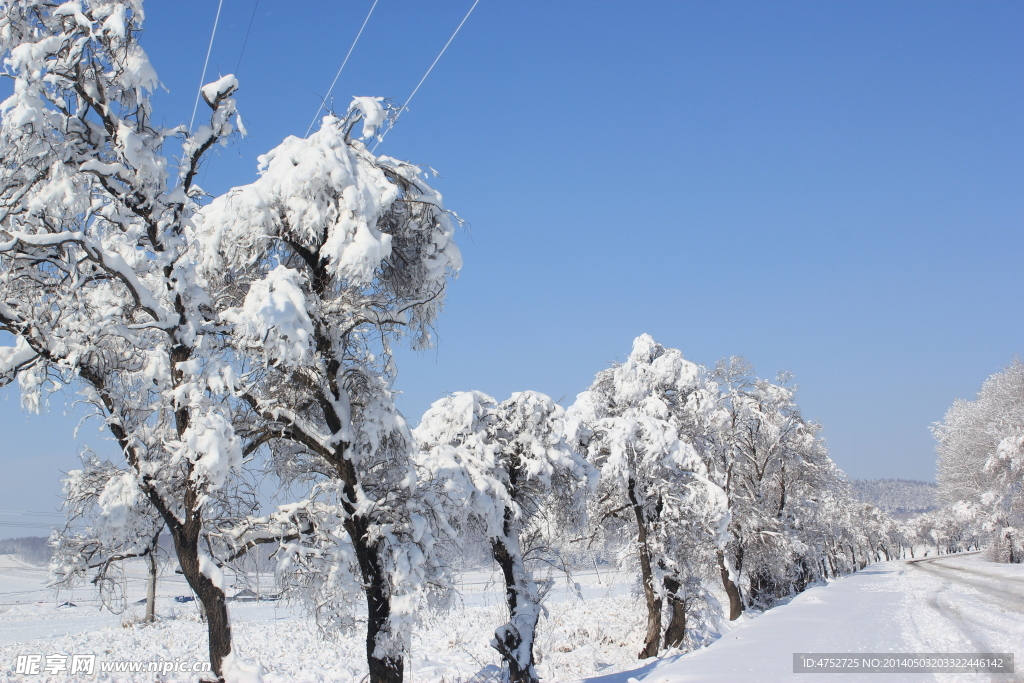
<point>31,549</point>
<point>899,497</point>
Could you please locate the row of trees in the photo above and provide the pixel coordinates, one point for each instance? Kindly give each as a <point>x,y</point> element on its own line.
<point>704,481</point>
<point>216,337</point>
<point>981,467</point>
<point>716,477</point>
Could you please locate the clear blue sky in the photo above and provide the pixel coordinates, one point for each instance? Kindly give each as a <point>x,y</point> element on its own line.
<point>833,189</point>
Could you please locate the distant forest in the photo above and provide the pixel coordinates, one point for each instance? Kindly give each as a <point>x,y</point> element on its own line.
<point>898,497</point>
<point>31,549</point>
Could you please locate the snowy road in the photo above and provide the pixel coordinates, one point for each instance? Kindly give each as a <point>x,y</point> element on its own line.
<point>994,601</point>
<point>950,604</point>
<point>1002,590</point>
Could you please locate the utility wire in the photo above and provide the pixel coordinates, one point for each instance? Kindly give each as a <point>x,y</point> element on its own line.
<point>31,512</point>
<point>340,69</point>
<point>416,89</point>
<point>246,41</point>
<point>206,63</point>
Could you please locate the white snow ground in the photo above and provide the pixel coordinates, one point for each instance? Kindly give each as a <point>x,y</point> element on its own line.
<point>951,604</point>
<point>577,638</point>
<point>955,604</point>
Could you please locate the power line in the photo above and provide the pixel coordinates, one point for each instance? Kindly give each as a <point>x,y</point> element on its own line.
<point>206,63</point>
<point>31,512</point>
<point>26,525</point>
<point>342,68</point>
<point>246,41</point>
<point>416,89</point>
<point>241,53</point>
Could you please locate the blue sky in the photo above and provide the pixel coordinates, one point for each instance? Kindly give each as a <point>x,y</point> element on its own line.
<point>833,189</point>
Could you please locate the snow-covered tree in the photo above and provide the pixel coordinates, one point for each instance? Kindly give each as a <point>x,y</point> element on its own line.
<point>1005,499</point>
<point>321,265</point>
<point>97,280</point>
<point>632,424</point>
<point>972,431</point>
<point>505,471</point>
<point>779,483</point>
<point>109,521</point>
<point>981,458</point>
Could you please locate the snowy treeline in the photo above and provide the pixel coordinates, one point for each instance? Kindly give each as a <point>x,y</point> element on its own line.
<point>704,481</point>
<point>715,473</point>
<point>31,549</point>
<point>948,529</point>
<point>900,497</point>
<point>981,469</point>
<point>221,338</point>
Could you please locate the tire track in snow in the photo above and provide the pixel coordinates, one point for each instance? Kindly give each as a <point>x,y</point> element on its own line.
<point>1014,601</point>
<point>970,613</point>
<point>969,570</point>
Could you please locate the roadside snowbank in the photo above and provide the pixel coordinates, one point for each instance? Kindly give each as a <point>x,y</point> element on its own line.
<point>951,604</point>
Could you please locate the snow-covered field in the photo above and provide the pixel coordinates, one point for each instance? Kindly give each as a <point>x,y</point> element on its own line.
<point>599,633</point>
<point>956,604</point>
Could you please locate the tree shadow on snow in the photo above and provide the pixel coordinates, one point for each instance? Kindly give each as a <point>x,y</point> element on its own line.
<point>638,674</point>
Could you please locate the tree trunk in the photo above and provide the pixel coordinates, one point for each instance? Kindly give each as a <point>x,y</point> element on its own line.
<point>185,534</point>
<point>676,631</point>
<point>215,607</point>
<point>731,589</point>
<point>782,490</point>
<point>384,668</point>
<point>653,636</point>
<point>514,640</point>
<point>151,587</point>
